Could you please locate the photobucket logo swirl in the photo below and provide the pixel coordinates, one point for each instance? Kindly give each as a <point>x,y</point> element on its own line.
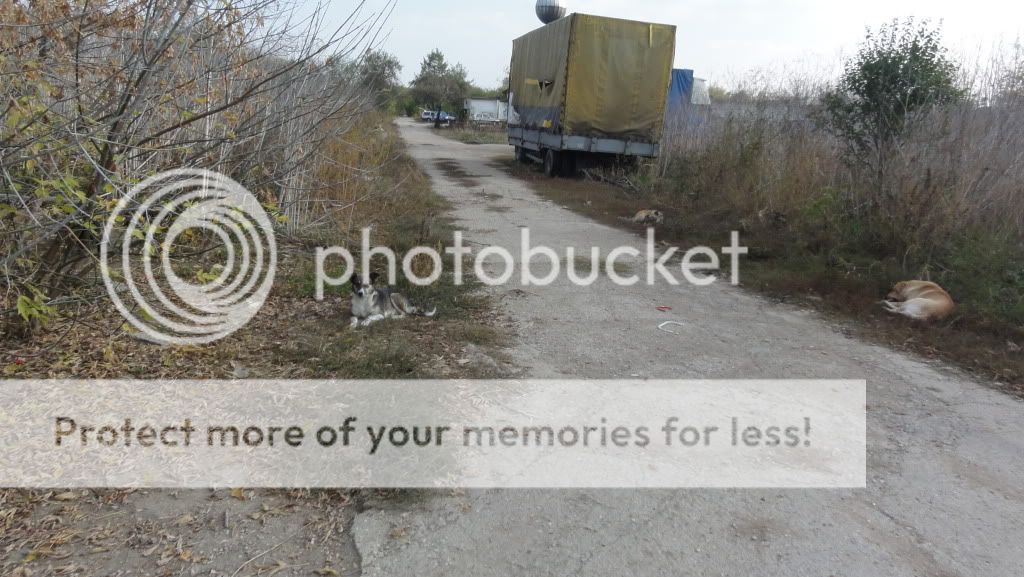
<point>176,216</point>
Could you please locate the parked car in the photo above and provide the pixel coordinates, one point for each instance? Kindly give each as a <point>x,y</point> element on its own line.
<point>431,116</point>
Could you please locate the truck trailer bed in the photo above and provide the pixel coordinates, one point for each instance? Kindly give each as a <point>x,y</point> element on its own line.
<point>590,84</point>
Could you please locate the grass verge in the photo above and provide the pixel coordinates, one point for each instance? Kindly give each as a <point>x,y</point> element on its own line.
<point>294,335</point>
<point>107,531</point>
<point>784,266</point>
<point>477,134</point>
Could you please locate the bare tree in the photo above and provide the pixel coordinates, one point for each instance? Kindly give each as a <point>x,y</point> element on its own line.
<point>99,94</point>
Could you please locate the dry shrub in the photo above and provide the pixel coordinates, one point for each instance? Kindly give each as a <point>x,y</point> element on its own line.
<point>98,96</point>
<point>368,181</point>
<point>750,156</point>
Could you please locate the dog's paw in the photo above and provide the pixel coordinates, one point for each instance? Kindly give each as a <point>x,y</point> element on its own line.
<point>353,323</point>
<point>892,307</point>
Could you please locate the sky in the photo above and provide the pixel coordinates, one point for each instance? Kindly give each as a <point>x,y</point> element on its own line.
<point>722,40</point>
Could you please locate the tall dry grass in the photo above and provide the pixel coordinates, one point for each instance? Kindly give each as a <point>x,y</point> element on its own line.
<point>368,181</point>
<point>947,203</point>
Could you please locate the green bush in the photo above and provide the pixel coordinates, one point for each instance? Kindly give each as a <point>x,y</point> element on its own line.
<point>899,71</point>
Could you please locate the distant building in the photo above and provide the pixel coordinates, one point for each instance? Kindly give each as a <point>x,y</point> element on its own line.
<point>485,111</point>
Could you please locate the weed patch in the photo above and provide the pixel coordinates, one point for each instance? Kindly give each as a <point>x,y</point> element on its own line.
<point>477,135</point>
<point>810,255</point>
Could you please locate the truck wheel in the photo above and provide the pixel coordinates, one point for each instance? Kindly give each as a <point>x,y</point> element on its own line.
<point>551,162</point>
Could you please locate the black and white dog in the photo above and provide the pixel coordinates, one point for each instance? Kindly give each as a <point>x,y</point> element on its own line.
<point>371,304</point>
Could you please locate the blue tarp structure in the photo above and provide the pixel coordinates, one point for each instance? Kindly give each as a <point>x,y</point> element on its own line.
<point>680,89</point>
<point>682,114</point>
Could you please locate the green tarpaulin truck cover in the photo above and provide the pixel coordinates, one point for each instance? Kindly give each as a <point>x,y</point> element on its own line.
<point>594,76</point>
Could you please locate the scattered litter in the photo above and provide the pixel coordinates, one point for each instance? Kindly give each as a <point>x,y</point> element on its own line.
<point>519,292</point>
<point>664,309</point>
<point>1012,346</point>
<point>238,370</point>
<point>662,326</point>
<point>19,360</point>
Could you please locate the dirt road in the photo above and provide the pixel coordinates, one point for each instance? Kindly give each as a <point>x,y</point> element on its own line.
<point>945,464</point>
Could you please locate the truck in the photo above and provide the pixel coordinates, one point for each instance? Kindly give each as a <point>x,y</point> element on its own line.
<point>585,88</point>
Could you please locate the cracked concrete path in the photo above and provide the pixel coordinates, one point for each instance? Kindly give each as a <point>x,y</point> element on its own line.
<point>945,495</point>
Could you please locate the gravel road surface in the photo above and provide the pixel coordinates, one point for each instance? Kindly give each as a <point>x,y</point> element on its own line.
<point>945,481</point>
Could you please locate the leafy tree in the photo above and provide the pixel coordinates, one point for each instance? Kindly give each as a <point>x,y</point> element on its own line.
<point>379,73</point>
<point>403,102</point>
<point>478,92</point>
<point>899,71</point>
<point>439,85</point>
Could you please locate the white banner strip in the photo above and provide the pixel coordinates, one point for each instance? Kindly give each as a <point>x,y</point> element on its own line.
<point>423,433</point>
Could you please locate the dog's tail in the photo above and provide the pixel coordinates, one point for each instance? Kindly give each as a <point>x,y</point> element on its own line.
<point>418,312</point>
<point>401,303</point>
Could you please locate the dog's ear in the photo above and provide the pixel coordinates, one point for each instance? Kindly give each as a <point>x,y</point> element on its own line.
<point>373,277</point>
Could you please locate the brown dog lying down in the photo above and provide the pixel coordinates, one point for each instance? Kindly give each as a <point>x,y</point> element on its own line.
<point>919,299</point>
